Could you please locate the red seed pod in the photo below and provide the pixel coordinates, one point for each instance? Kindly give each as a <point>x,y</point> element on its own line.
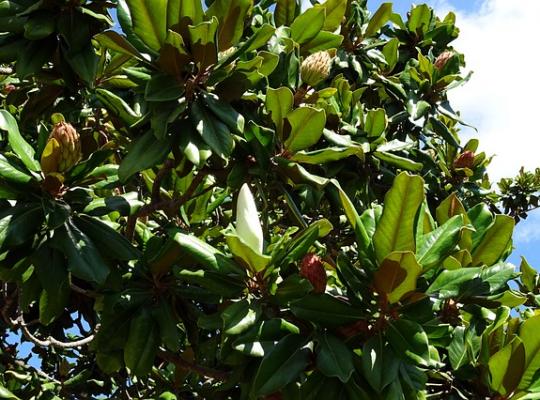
<point>465,160</point>
<point>312,269</point>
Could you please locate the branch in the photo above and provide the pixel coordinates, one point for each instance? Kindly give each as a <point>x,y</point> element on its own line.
<point>163,204</point>
<point>179,362</point>
<point>37,370</point>
<point>50,341</point>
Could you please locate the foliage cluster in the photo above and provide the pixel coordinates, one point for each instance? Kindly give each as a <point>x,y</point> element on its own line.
<point>242,199</point>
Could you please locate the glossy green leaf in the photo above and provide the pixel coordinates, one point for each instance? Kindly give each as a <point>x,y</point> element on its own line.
<point>19,224</point>
<point>203,42</point>
<point>307,124</point>
<point>285,12</point>
<point>149,19</point>
<point>395,231</point>
<point>409,341</point>
<point>506,367</point>
<point>261,339</point>
<point>18,144</point>
<point>116,105</point>
<point>240,316</point>
<point>379,19</point>
<point>12,173</point>
<point>397,275</point>
<point>142,344</point>
<point>126,204</point>
<point>225,113</point>
<point>325,310</point>
<point>379,364</point>
<point>398,161</point>
<point>376,122</point>
<point>438,244</point>
<point>308,24</point>
<point>449,207</point>
<point>334,358</point>
<point>335,11</point>
<point>279,103</point>
<point>214,132</point>
<point>322,42</point>
<point>241,250</point>
<point>282,365</point>
<point>529,276</point>
<point>231,15</point>
<point>495,242</point>
<point>115,245</point>
<point>84,259</point>
<point>145,153</point>
<point>329,154</point>
<point>204,254</point>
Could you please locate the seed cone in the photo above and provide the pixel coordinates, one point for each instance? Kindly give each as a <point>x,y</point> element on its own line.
<point>312,269</point>
<point>63,149</point>
<point>465,160</point>
<point>442,59</point>
<point>316,68</point>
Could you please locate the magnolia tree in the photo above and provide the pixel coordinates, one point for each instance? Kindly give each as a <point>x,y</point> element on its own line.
<point>246,200</point>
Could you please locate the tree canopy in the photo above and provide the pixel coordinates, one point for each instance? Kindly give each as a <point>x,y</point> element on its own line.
<point>243,199</point>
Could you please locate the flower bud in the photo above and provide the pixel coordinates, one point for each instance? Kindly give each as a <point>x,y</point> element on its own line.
<point>465,160</point>
<point>63,149</point>
<point>442,59</point>
<point>248,226</point>
<point>316,68</point>
<point>311,268</point>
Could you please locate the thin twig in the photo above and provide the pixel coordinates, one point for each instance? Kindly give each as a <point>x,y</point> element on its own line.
<point>50,341</point>
<point>37,370</point>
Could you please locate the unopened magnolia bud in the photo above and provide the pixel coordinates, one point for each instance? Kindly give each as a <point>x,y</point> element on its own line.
<point>312,269</point>
<point>316,68</point>
<point>248,226</point>
<point>442,59</point>
<point>465,160</point>
<point>63,149</point>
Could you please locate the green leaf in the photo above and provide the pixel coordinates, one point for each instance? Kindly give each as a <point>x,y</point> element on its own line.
<point>145,153</point>
<point>84,259</point>
<point>419,19</point>
<point>6,394</point>
<point>184,13</point>
<point>240,316</point>
<point>506,367</point>
<point>379,364</point>
<point>285,12</point>
<point>149,21</point>
<point>495,242</point>
<point>163,87</point>
<point>438,244</point>
<point>457,351</point>
<point>409,341</point>
<point>395,231</point>
<point>240,249</point>
<point>213,131</point>
<point>231,15</point>
<point>204,254</point>
<point>126,204</point>
<point>114,41</point>
<point>20,146</point>
<point>282,365</point>
<point>529,276</point>
<point>116,105</point>
<point>376,122</point>
<point>481,218</point>
<point>224,112</point>
<point>391,53</point>
<point>364,241</point>
<point>398,161</point>
<point>379,19</point>
<point>142,343</point>
<point>449,207</point>
<point>471,281</point>
<point>19,224</point>
<point>335,11</point>
<point>307,124</point>
<point>325,310</point>
<point>323,41</point>
<point>442,130</point>
<point>307,25</point>
<point>115,245</point>
<point>203,43</point>
<point>397,275</point>
<point>334,358</point>
<point>12,173</point>
<point>52,273</point>
<point>329,154</point>
<point>261,339</point>
<point>279,103</point>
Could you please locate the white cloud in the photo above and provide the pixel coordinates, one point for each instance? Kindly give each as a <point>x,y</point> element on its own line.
<point>501,47</point>
<point>528,231</point>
